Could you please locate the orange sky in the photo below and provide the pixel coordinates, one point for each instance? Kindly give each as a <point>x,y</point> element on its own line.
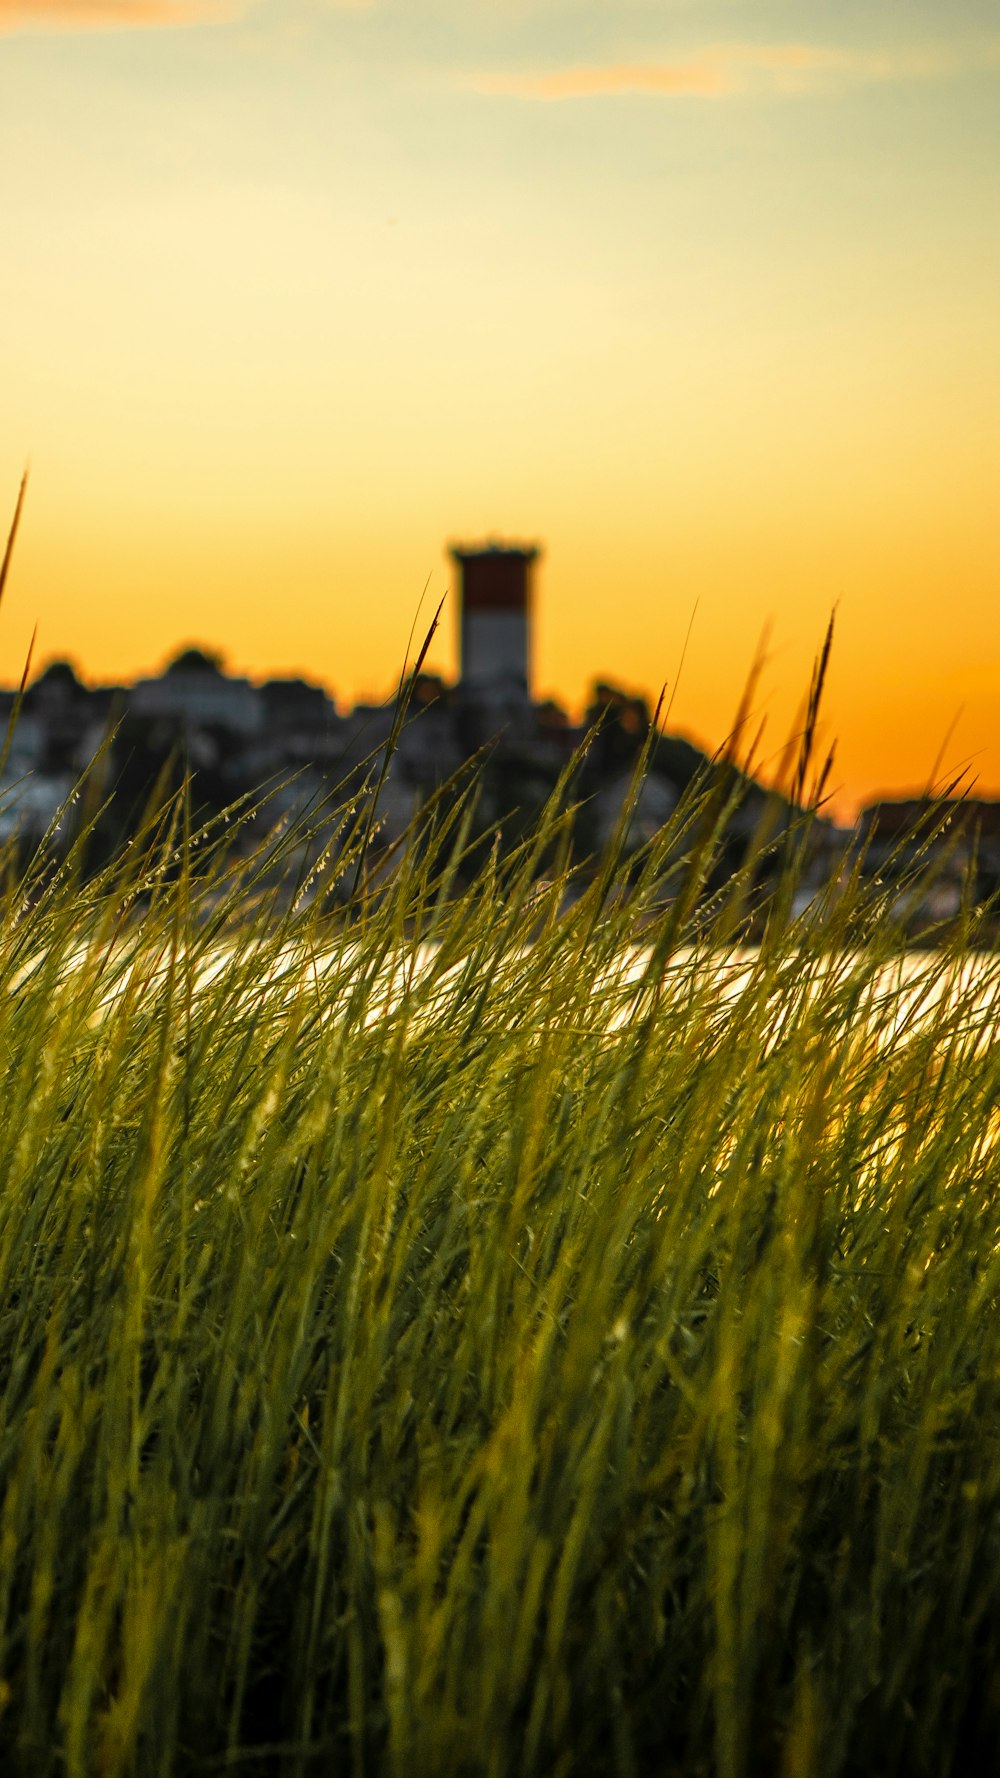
<point>295,292</point>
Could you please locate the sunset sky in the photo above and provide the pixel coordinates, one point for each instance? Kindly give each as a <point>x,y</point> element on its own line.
<point>701,295</point>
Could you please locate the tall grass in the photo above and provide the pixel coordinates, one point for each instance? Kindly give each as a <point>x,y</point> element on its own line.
<point>428,1351</point>
<point>471,1325</point>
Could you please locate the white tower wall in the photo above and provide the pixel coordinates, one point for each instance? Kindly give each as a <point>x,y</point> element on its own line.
<point>494,647</point>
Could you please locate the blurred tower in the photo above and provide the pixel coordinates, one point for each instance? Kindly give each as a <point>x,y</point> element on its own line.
<point>495,617</point>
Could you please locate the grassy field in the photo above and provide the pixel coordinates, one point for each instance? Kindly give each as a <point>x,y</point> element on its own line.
<point>425,1352</point>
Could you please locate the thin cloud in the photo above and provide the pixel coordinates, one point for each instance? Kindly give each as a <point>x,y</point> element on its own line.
<point>84,15</point>
<point>701,77</point>
<point>728,68</point>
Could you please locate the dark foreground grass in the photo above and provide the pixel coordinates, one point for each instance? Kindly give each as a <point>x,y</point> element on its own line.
<point>426,1352</point>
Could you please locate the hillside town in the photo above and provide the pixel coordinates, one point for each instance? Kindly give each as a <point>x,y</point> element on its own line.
<point>287,741</point>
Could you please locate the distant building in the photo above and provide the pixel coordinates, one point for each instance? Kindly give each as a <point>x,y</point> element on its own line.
<point>297,706</point>
<point>495,618</point>
<point>73,719</point>
<point>654,801</point>
<point>194,689</point>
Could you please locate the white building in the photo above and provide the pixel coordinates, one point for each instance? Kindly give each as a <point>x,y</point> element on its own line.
<point>195,690</point>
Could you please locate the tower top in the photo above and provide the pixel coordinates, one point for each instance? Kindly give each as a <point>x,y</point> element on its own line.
<point>493,549</point>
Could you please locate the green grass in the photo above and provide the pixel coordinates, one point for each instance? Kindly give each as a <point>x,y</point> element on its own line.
<point>426,1352</point>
